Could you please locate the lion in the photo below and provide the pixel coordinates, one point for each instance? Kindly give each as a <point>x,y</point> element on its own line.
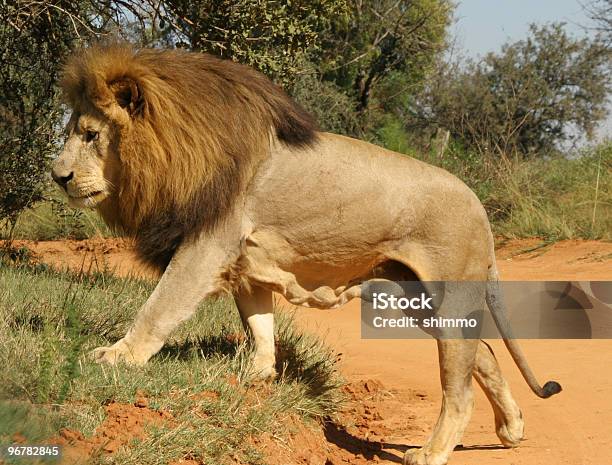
<point>227,186</point>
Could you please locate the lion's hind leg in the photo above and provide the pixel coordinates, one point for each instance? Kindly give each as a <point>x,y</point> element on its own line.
<point>457,358</point>
<point>508,418</point>
<point>257,312</point>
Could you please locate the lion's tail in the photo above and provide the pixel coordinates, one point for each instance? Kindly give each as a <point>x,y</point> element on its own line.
<point>497,307</point>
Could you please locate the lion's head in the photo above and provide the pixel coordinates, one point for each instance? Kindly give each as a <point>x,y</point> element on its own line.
<point>162,142</point>
<point>88,167</point>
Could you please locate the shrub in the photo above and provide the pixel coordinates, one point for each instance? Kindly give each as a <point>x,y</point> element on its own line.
<point>532,98</point>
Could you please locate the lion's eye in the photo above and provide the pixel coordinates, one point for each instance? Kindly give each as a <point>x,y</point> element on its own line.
<point>91,136</point>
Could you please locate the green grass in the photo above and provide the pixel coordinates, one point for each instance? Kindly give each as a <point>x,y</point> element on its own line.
<point>49,323</point>
<point>556,199</point>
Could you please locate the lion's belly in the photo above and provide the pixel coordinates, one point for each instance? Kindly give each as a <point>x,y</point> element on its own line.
<point>321,278</point>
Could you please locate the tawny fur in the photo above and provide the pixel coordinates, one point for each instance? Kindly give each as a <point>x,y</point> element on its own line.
<point>195,129</point>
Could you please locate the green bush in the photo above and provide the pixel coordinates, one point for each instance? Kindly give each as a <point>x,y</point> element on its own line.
<point>530,99</point>
<point>35,37</point>
<point>329,104</point>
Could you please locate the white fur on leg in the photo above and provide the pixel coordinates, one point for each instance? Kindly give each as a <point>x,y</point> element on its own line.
<point>256,310</point>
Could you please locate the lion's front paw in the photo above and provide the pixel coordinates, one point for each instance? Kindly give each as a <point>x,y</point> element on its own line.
<point>262,369</point>
<point>423,456</point>
<point>122,351</point>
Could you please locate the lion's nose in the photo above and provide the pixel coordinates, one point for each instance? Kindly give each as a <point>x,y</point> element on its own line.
<point>61,178</point>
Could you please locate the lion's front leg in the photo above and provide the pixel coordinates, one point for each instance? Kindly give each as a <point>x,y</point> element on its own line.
<point>193,274</point>
<point>257,313</point>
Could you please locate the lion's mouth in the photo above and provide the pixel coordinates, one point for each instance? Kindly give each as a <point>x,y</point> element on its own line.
<point>90,200</point>
<point>89,195</point>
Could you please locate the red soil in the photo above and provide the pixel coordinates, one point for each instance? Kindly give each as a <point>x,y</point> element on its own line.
<point>123,424</point>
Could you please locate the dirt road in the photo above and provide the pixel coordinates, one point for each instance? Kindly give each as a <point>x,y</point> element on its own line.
<point>402,396</point>
<point>573,428</point>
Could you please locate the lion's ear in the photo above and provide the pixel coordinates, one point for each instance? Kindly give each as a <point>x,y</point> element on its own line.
<point>128,95</point>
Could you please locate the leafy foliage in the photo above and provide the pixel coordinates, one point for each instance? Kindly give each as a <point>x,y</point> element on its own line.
<point>536,94</point>
<point>345,51</point>
<point>28,102</point>
<point>381,53</point>
<point>274,37</point>
<point>328,103</point>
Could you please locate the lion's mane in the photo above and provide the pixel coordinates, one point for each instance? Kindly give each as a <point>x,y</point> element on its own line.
<point>194,131</point>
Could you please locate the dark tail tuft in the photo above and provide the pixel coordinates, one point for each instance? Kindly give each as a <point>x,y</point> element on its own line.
<point>551,388</point>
